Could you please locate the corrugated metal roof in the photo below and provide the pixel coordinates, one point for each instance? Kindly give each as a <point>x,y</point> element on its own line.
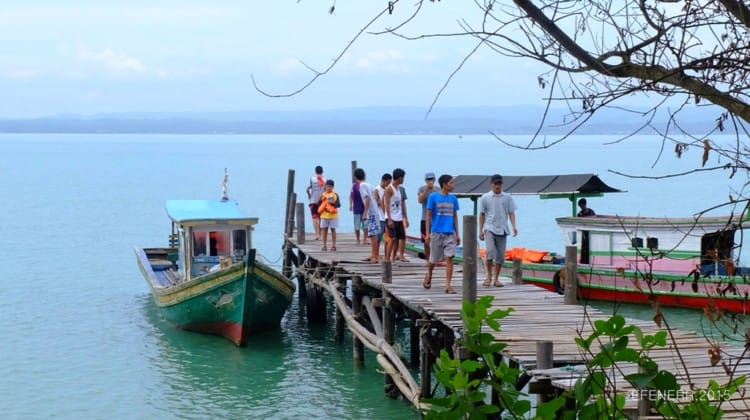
<point>476,185</point>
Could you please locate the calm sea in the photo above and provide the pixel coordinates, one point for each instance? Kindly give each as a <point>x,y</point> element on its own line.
<point>81,337</point>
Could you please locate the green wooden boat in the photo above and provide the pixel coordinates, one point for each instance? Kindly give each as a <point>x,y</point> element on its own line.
<point>208,279</point>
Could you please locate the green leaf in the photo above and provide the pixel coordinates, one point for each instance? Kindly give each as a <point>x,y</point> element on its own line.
<point>469,365</point>
<point>603,327</point>
<point>640,380</point>
<point>627,355</point>
<point>665,380</point>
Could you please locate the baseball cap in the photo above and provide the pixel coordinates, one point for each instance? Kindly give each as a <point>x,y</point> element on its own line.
<point>429,175</point>
<point>496,178</point>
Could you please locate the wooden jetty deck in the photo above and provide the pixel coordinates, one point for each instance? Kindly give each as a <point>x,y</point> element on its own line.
<point>371,299</point>
<point>539,316</point>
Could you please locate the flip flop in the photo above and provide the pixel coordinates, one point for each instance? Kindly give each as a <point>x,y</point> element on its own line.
<point>333,248</point>
<point>497,284</point>
<point>487,283</point>
<point>427,282</point>
<point>324,249</point>
<point>449,290</point>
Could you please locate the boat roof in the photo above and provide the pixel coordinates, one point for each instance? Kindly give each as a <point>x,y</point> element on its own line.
<point>199,212</point>
<point>545,185</point>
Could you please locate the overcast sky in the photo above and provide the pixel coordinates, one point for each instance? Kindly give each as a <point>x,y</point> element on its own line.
<point>90,57</point>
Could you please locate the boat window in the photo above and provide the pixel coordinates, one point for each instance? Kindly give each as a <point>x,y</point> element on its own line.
<point>219,243</point>
<point>199,242</point>
<point>717,246</point>
<point>239,242</point>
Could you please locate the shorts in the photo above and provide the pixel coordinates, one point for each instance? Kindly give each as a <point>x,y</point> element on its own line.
<point>382,231</point>
<point>442,246</point>
<point>329,223</point>
<point>314,211</point>
<point>358,222</point>
<point>495,245</point>
<point>397,230</point>
<point>373,226</point>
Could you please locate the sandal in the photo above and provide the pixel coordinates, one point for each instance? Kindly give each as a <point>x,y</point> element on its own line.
<point>449,290</point>
<point>497,284</point>
<point>487,283</point>
<point>324,249</point>
<point>333,248</point>
<point>427,282</point>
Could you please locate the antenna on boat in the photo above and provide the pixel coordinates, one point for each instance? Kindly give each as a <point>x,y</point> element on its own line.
<point>224,193</point>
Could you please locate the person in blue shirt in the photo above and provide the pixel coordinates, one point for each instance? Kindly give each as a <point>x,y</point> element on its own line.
<point>441,221</point>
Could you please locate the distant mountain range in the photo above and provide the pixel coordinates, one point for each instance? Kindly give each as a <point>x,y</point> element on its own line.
<point>365,120</point>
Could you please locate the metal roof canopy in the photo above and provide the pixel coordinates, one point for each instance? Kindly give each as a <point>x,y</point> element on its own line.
<point>578,184</point>
<point>194,212</point>
<point>570,186</point>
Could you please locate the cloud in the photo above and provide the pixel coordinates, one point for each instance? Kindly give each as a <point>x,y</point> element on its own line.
<point>117,62</point>
<point>20,74</point>
<point>381,59</point>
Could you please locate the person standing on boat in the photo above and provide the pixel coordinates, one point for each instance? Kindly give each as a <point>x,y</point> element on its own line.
<point>328,209</point>
<point>441,220</point>
<point>422,193</point>
<point>314,190</point>
<point>495,209</point>
<point>585,211</point>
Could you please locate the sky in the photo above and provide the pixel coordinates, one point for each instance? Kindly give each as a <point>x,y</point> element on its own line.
<point>90,57</point>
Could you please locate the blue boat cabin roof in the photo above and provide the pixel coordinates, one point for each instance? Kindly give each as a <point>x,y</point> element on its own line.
<point>192,212</point>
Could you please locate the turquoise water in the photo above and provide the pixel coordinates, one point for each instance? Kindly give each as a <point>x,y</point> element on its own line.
<point>81,337</point>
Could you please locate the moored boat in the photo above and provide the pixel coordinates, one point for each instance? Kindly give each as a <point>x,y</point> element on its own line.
<point>686,261</point>
<point>208,280</point>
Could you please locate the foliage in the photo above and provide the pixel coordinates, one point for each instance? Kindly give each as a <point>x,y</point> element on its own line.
<point>595,395</point>
<point>465,379</point>
<point>611,347</point>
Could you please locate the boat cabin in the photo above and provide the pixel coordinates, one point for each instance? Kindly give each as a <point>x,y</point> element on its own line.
<point>210,234</point>
<point>677,245</point>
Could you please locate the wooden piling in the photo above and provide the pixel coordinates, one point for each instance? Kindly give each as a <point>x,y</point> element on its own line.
<point>358,349</point>
<point>338,334</point>
<point>517,271</point>
<point>286,265</point>
<point>425,364</point>
<point>469,287</point>
<point>389,322</point>
<point>300,219</point>
<point>571,275</point>
<point>544,358</point>
<point>413,343</point>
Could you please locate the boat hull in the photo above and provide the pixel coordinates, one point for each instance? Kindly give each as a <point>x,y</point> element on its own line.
<point>233,302</point>
<point>666,289</point>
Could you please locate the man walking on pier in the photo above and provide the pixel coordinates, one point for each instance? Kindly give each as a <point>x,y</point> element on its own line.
<point>495,208</point>
<point>441,221</point>
<point>314,190</point>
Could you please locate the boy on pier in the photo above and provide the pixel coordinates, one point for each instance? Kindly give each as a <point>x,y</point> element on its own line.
<point>328,209</point>
<point>441,222</point>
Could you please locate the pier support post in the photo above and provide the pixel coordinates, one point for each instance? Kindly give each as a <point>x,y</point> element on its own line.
<point>544,361</point>
<point>517,271</point>
<point>571,275</point>
<point>339,328</point>
<point>413,343</point>
<point>425,364</point>
<point>286,265</point>
<point>389,322</point>
<point>300,219</point>
<point>469,287</point>
<point>644,405</point>
<point>358,349</point>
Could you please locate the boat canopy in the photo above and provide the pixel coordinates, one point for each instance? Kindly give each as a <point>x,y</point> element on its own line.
<point>570,186</point>
<point>199,212</point>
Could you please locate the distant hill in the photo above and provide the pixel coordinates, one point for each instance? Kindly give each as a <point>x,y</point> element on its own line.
<point>365,120</point>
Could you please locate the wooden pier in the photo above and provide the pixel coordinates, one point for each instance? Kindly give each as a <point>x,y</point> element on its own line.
<point>372,300</point>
